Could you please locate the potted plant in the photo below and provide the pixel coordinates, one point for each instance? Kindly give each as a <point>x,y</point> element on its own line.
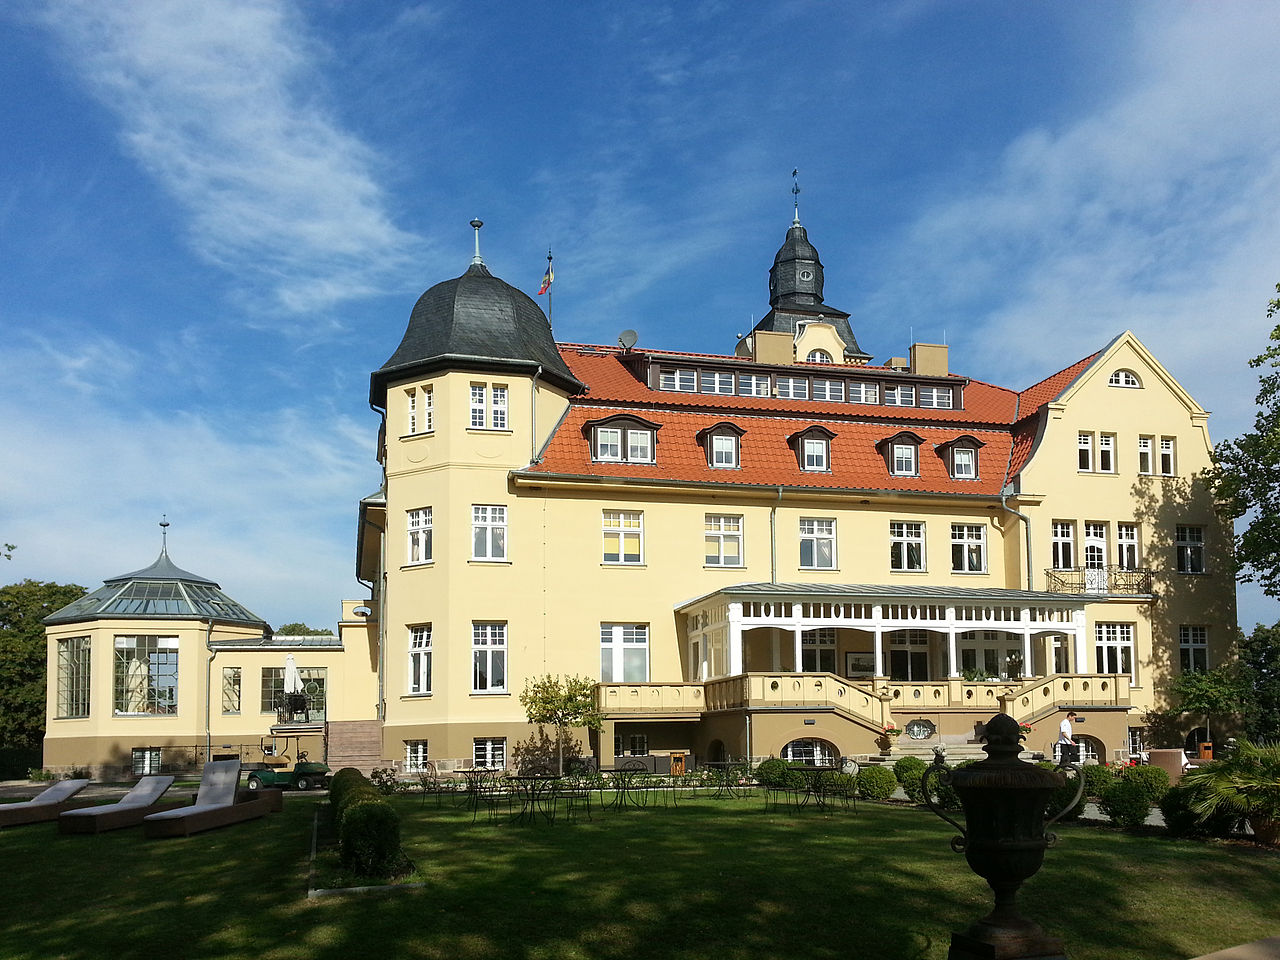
<point>1246,784</point>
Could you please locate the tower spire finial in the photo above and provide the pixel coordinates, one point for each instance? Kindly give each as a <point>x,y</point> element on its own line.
<point>795,192</point>
<point>164,533</point>
<point>476,225</point>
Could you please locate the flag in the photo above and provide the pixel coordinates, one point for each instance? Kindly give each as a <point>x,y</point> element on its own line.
<point>546,280</point>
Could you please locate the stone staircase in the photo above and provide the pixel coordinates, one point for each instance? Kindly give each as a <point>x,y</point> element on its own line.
<point>355,743</point>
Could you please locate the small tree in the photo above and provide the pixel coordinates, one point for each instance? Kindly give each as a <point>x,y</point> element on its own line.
<point>301,630</point>
<point>1211,692</point>
<point>23,607</point>
<point>561,702</point>
<point>1260,683</point>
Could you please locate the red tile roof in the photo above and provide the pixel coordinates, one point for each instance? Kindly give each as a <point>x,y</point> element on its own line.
<point>1037,395</point>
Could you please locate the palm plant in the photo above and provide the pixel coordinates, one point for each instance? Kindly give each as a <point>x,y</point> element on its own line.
<point>1247,784</point>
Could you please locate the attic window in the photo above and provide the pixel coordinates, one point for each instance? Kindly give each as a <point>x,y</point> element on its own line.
<point>1125,378</point>
<point>812,448</point>
<point>721,445</point>
<point>901,453</point>
<point>685,381</point>
<point>818,356</point>
<point>621,439</point>
<point>961,456</point>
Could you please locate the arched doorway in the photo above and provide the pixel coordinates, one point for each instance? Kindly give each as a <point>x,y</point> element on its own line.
<point>811,750</point>
<point>716,752</point>
<point>1091,750</point>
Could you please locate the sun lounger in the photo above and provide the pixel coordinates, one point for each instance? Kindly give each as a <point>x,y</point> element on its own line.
<point>128,811</point>
<point>216,805</point>
<point>45,807</point>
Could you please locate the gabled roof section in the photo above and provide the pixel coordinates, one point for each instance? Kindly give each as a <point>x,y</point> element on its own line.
<point>1052,387</point>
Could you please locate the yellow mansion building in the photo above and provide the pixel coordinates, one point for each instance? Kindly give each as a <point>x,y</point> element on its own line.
<point>778,551</point>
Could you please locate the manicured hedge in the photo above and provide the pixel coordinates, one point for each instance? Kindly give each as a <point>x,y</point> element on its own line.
<point>876,783</point>
<point>1154,780</point>
<point>1125,803</point>
<point>1182,821</point>
<point>368,826</point>
<point>908,771</point>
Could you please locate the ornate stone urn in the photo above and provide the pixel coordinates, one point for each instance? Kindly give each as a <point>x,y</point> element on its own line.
<point>1003,839</point>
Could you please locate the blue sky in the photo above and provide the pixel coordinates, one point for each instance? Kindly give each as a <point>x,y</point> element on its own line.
<point>216,216</point>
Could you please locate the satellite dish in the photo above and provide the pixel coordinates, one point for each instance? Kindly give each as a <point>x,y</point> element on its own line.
<point>627,339</point>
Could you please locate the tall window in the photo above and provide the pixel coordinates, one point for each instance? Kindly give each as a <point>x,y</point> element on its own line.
<point>488,658</point>
<point>1084,457</point>
<point>797,388</point>
<point>816,453</point>
<point>146,675</point>
<point>723,540</point>
<point>420,410</point>
<point>488,532</point>
<point>1190,547</point>
<point>906,546</point>
<point>1193,648</point>
<point>817,543</point>
<point>818,650</point>
<point>685,381</point>
<point>1144,455</point>
<point>1127,546</point>
<point>230,691</point>
<point>715,382</point>
<point>73,677</point>
<point>415,756</point>
<point>828,389</point>
<point>419,522</point>
<point>968,548</point>
<point>608,443</point>
<point>488,407</point>
<point>724,450</point>
<point>905,460</point>
<point>1106,453</point>
<point>1114,648</point>
<point>489,752</point>
<point>623,536</point>
<point>420,659</point>
<point>964,463</point>
<point>624,652</point>
<point>1168,457</point>
<point>640,446</point>
<point>314,685</point>
<point>936,397</point>
<point>753,384</point>
<point>1064,545</point>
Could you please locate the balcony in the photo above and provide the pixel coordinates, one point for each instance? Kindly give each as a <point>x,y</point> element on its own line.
<point>1111,579</point>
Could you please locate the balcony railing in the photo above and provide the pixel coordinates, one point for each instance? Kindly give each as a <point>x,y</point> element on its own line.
<point>1109,579</point>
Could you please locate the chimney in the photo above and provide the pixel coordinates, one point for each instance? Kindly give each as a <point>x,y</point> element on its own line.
<point>929,359</point>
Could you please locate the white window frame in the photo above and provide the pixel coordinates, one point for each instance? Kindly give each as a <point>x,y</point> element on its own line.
<point>489,753</point>
<point>616,641</point>
<point>489,408</point>
<point>964,463</point>
<point>1064,544</point>
<point>899,395</point>
<point>1106,453</point>
<point>818,651</point>
<point>1128,549</point>
<point>489,542</point>
<point>1114,650</point>
<point>678,380</point>
<point>1189,543</point>
<point>498,407</point>
<point>639,445</point>
<point>419,417</point>
<point>415,756</point>
<point>1193,647</point>
<point>903,536</point>
<point>817,454</point>
<point>232,691</point>
<point>818,356</point>
<point>818,533</point>
<point>478,406</point>
<point>420,659</point>
<point>716,381</point>
<point>724,451</point>
<point>1124,378</point>
<point>968,548</point>
<point>75,676</point>
<point>1084,452</point>
<point>155,690</point>
<point>860,392</point>
<point>1145,455</point>
<point>719,531</point>
<point>906,460</point>
<point>1168,457</point>
<point>609,444</point>
<point>793,388</point>
<point>621,526</point>
<point>935,397</point>
<point>824,389</point>
<point>419,544</point>
<point>488,657</point>
<point>753,384</point>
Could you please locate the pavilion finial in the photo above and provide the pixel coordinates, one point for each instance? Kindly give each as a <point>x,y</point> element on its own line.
<point>476,225</point>
<point>164,533</point>
<point>795,192</point>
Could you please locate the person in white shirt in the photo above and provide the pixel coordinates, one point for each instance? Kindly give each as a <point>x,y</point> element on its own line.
<point>1069,750</point>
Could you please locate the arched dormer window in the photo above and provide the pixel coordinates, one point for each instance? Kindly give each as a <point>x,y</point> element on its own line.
<point>901,453</point>
<point>622,439</point>
<point>722,445</point>
<point>812,447</point>
<point>1125,378</point>
<point>961,456</point>
<point>818,356</point>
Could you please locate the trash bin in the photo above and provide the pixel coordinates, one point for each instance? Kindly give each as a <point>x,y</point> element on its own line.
<point>677,764</point>
<point>1206,750</point>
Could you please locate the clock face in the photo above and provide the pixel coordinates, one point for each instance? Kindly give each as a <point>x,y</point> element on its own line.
<point>806,274</point>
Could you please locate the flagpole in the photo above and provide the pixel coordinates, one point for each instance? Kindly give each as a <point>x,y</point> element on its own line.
<point>550,292</point>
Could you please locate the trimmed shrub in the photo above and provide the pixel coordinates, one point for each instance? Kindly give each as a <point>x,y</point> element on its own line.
<point>908,771</point>
<point>876,783</point>
<point>1062,796</point>
<point>777,773</point>
<point>341,782</point>
<point>1182,821</point>
<point>1125,803</point>
<point>362,792</point>
<point>1154,780</point>
<point>944,795</point>
<point>1097,779</point>
<point>369,838</point>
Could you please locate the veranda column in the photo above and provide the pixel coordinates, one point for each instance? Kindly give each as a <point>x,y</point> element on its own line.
<point>1081,654</point>
<point>735,639</point>
<point>1028,668</point>
<point>798,629</point>
<point>878,633</point>
<point>953,669</point>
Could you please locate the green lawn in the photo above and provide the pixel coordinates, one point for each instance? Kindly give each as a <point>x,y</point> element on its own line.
<point>707,879</point>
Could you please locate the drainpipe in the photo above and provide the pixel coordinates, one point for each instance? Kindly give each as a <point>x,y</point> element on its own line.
<point>749,738</point>
<point>773,539</point>
<point>208,690</point>
<point>533,415</point>
<point>1026,523</point>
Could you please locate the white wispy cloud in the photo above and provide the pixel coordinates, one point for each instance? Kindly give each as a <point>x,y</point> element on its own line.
<point>223,104</point>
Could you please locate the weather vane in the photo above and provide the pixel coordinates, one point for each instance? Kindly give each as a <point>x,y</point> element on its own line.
<point>476,225</point>
<point>795,191</point>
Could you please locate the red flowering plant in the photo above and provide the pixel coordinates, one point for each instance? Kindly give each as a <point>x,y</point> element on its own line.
<point>891,731</point>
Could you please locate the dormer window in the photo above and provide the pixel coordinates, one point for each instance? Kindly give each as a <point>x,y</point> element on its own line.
<point>716,382</point>
<point>685,381</point>
<point>722,445</point>
<point>936,397</point>
<point>901,453</point>
<point>818,356</point>
<point>900,395</point>
<point>794,388</point>
<point>812,447</point>
<point>961,456</point>
<point>621,439</point>
<point>1125,378</point>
